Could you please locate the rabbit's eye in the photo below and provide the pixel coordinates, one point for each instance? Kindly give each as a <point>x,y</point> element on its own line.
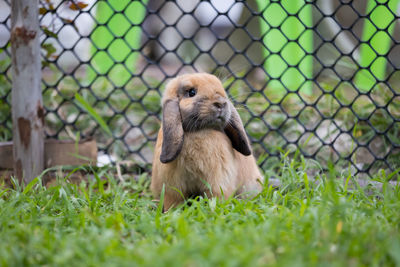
<point>191,92</point>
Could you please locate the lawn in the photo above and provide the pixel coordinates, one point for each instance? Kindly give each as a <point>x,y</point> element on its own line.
<point>325,221</point>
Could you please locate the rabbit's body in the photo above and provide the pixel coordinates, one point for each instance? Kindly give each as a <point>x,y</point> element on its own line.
<point>204,160</point>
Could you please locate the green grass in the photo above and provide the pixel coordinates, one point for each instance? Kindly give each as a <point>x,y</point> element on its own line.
<point>326,221</point>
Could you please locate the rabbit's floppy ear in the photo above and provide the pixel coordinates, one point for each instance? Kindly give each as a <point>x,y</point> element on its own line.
<point>236,133</point>
<point>172,131</point>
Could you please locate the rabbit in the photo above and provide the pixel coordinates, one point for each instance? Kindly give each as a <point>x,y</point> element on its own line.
<point>202,147</point>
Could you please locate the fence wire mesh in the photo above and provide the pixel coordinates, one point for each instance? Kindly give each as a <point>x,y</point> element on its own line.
<point>318,76</point>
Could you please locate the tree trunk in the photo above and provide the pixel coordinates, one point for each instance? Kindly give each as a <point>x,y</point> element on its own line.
<point>27,108</point>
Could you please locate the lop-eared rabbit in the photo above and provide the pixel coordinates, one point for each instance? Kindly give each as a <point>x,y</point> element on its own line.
<point>202,147</point>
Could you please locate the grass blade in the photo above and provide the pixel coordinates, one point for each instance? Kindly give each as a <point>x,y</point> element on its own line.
<point>160,207</point>
<point>86,106</point>
<point>30,185</point>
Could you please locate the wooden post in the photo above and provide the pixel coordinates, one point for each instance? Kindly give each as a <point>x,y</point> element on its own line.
<point>27,108</point>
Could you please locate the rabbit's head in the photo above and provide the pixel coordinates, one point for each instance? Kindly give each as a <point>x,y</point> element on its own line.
<point>194,102</point>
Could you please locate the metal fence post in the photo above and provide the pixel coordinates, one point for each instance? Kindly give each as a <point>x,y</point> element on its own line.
<point>27,108</point>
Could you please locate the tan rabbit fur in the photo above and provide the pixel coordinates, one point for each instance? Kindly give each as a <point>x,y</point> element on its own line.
<point>202,147</point>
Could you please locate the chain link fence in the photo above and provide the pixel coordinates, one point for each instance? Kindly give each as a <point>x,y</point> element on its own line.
<point>319,76</point>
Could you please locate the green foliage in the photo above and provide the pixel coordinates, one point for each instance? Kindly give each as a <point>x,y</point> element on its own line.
<point>327,221</point>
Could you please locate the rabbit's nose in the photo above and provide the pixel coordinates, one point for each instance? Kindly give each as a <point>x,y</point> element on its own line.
<point>219,104</point>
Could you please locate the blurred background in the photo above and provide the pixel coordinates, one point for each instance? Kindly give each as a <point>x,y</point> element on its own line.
<point>320,77</point>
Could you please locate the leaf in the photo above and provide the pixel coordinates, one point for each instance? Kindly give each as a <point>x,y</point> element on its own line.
<point>50,50</point>
<point>49,33</point>
<point>42,11</point>
<point>67,21</point>
<point>77,6</point>
<point>30,185</point>
<point>160,207</point>
<point>85,105</point>
<point>82,5</point>
<point>45,64</point>
<point>4,191</point>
